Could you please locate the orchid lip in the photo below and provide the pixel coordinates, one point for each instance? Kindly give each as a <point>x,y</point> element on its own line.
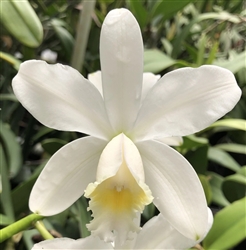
<point>117,198</point>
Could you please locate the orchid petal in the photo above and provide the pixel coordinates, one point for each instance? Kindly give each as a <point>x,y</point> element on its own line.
<point>96,79</point>
<point>121,53</point>
<point>185,101</point>
<point>129,244</point>
<point>210,223</point>
<point>149,80</point>
<point>60,98</point>
<point>66,175</point>
<point>157,233</point>
<point>177,191</point>
<point>171,141</point>
<point>120,149</point>
<point>68,244</point>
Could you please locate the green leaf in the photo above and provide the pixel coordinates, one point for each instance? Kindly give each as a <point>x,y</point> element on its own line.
<point>167,45</point>
<point>29,237</point>
<point>222,158</point>
<point>192,142</point>
<point>11,148</point>
<point>167,9</point>
<point>218,197</point>
<point>242,171</point>
<point>213,53</point>
<point>82,216</point>
<point>5,220</point>
<point>139,12</point>
<point>201,50</point>
<point>198,158</point>
<point>42,132</point>
<point>10,59</point>
<point>52,145</point>
<point>156,61</point>
<point>234,64</point>
<point>228,228</point>
<point>232,147</point>
<point>177,45</point>
<point>234,187</point>
<point>20,195</point>
<point>22,22</point>
<point>65,37</point>
<point>206,187</point>
<point>61,218</point>
<point>230,123</point>
<point>6,201</point>
<point>8,97</point>
<point>149,211</point>
<point>106,1</point>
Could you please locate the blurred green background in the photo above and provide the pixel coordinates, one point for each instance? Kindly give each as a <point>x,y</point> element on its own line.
<point>176,34</point>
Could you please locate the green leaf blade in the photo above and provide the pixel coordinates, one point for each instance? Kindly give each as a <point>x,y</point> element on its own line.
<point>234,187</point>
<point>218,197</point>
<point>228,228</point>
<point>22,22</point>
<point>167,8</point>
<point>10,59</point>
<point>156,61</point>
<point>11,148</point>
<point>222,158</point>
<point>230,123</point>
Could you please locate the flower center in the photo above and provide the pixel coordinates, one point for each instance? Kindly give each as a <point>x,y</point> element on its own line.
<point>117,200</point>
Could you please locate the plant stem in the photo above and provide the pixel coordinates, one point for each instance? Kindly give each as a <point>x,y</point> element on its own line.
<point>82,34</point>
<point>18,226</point>
<point>43,231</point>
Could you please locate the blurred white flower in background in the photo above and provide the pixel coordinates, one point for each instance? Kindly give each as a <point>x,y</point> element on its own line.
<point>48,56</point>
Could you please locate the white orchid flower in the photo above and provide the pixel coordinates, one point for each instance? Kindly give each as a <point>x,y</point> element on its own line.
<point>124,162</point>
<point>157,233</point>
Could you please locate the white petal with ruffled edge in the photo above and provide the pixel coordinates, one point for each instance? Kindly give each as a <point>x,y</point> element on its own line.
<point>119,193</point>
<point>185,101</point>
<point>157,233</point>
<point>177,191</point>
<point>121,56</point>
<point>69,244</point>
<point>65,176</point>
<point>61,98</point>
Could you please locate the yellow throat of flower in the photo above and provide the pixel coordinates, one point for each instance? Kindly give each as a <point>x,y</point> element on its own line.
<point>116,202</point>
